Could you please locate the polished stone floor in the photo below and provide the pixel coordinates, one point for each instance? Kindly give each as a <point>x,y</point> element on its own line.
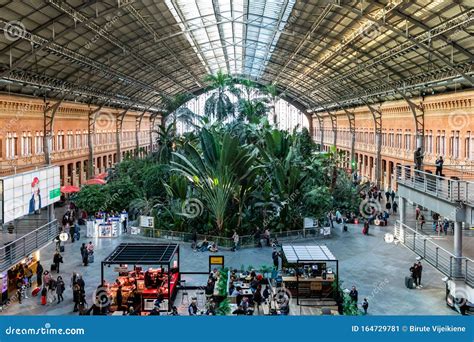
<point>374,266</point>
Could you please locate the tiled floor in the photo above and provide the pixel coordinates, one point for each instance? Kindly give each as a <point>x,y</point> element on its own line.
<point>375,267</point>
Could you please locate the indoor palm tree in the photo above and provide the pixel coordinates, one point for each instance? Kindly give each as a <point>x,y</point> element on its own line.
<point>219,106</point>
<point>218,172</point>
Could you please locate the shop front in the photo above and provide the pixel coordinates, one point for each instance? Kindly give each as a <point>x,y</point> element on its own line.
<point>144,274</point>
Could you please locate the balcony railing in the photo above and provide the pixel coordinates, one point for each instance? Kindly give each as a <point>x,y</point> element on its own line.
<point>449,189</point>
<point>13,252</point>
<point>460,268</point>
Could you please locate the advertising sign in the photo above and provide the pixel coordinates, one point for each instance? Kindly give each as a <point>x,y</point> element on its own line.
<point>28,192</point>
<point>147,221</point>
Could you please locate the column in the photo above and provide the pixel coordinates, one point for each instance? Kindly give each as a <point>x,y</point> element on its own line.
<point>403,209</point>
<point>457,267</point>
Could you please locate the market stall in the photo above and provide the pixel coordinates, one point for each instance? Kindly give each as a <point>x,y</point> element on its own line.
<point>110,227</point>
<point>309,272</point>
<point>158,281</point>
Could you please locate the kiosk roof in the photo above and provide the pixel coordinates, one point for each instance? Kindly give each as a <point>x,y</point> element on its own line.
<point>294,254</point>
<point>142,254</point>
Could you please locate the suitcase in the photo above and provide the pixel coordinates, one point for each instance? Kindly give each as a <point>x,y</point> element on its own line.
<point>364,231</point>
<point>43,300</point>
<point>409,282</point>
<point>91,258</point>
<point>35,292</point>
<point>53,267</point>
<point>61,249</point>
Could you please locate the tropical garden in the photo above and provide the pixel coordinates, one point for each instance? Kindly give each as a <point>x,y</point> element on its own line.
<point>233,171</point>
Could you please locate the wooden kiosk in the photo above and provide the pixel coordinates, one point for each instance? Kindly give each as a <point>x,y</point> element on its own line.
<point>310,272</point>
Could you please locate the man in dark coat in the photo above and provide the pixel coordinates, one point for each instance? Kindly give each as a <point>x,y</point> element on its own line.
<point>39,274</point>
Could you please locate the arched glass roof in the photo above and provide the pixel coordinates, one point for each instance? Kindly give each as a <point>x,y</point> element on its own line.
<point>321,54</point>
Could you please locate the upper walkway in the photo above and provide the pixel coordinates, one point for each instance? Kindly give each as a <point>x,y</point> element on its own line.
<point>450,197</point>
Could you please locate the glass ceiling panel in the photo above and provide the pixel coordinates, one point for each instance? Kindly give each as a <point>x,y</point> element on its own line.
<point>216,29</point>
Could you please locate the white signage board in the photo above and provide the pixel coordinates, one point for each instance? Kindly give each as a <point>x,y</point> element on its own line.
<point>26,193</point>
<point>147,221</point>
<point>309,222</point>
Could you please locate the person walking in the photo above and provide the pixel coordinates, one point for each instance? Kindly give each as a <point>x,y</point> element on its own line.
<point>354,294</point>
<point>52,290</point>
<point>387,195</point>
<point>60,287</point>
<point>258,238</point>
<point>365,305</point>
<point>395,207</point>
<point>84,254</point>
<point>76,296</point>
<point>39,274</point>
<point>57,259</point>
<point>439,166</point>
<point>414,275</point>
<point>236,239</point>
<point>194,240</point>
<point>392,195</point>
<point>419,270</point>
<point>275,258</point>
<point>421,220</point>
<point>365,230</point>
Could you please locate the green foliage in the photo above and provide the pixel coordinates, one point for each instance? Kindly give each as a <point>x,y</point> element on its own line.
<point>224,308</point>
<point>243,173</point>
<point>91,198</point>
<point>222,282</point>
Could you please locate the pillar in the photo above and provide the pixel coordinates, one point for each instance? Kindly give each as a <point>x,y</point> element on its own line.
<point>457,267</point>
<point>402,206</point>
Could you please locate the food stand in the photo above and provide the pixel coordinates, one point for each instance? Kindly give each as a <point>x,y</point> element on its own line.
<point>149,284</point>
<point>309,271</point>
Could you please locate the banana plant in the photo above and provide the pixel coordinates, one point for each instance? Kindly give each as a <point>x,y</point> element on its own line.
<point>219,172</point>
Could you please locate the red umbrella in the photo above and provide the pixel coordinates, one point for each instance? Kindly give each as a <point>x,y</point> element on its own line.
<point>101,175</point>
<point>95,181</point>
<point>69,189</point>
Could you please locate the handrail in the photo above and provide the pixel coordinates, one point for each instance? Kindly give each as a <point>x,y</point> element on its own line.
<point>449,189</point>
<point>440,258</point>
<point>14,251</point>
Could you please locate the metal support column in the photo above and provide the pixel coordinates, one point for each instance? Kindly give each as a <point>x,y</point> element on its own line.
<point>93,113</point>
<point>138,123</point>
<point>118,133</point>
<point>377,115</point>
<point>457,248</point>
<point>48,120</point>
<point>48,129</point>
<point>403,209</point>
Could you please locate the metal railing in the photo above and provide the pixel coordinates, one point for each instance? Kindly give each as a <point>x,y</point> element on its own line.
<point>448,189</point>
<point>245,241</point>
<point>14,251</point>
<point>440,258</point>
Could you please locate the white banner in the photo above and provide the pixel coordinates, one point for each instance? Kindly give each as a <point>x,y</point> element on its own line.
<point>28,192</point>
